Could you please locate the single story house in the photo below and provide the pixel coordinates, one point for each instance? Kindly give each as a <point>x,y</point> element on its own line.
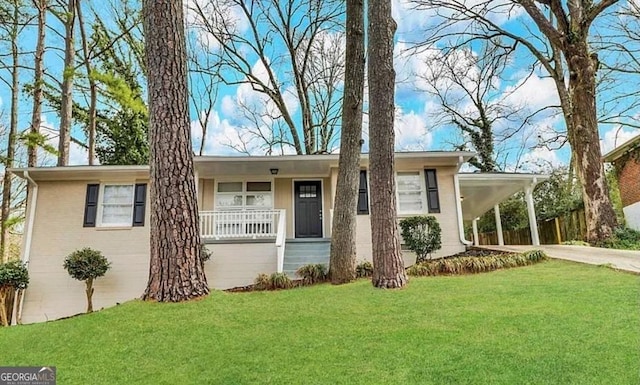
<point>626,160</point>
<point>259,214</point>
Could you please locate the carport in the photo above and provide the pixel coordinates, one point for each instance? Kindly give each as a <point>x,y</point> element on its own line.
<point>481,192</point>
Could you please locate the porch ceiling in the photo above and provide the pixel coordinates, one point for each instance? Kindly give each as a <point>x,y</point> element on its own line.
<point>482,191</point>
<point>214,166</point>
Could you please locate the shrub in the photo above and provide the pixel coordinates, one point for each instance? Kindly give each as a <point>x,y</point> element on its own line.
<point>422,235</point>
<point>86,265</point>
<point>13,276</point>
<point>472,265</point>
<point>262,282</point>
<point>205,253</point>
<point>623,238</point>
<point>280,281</point>
<point>364,269</point>
<point>311,274</point>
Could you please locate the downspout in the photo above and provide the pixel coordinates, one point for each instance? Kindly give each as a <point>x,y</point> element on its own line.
<point>26,252</point>
<point>456,188</point>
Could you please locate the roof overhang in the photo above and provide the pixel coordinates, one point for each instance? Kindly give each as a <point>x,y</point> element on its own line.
<point>231,166</point>
<point>315,165</point>
<point>628,146</point>
<point>45,174</point>
<point>480,192</point>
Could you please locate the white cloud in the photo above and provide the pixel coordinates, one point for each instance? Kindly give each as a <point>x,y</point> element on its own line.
<point>247,119</point>
<point>616,136</point>
<point>78,155</point>
<point>411,132</point>
<point>228,106</point>
<point>533,92</point>
<point>540,160</point>
<point>226,138</point>
<point>217,15</point>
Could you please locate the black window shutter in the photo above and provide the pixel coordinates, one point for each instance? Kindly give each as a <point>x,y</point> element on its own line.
<point>433,199</point>
<point>139,203</point>
<point>363,196</point>
<point>91,205</point>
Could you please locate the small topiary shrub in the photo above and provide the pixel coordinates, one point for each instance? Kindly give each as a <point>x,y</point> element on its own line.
<point>87,265</point>
<point>13,277</point>
<point>364,269</point>
<point>422,235</point>
<point>262,282</point>
<point>473,265</point>
<point>280,281</point>
<point>311,274</point>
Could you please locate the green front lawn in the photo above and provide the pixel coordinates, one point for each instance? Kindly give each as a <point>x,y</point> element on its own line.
<point>552,323</point>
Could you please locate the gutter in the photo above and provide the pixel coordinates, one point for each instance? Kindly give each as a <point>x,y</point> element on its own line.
<point>456,189</point>
<point>26,252</point>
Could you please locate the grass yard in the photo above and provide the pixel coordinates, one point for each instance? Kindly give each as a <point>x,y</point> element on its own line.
<point>552,323</point>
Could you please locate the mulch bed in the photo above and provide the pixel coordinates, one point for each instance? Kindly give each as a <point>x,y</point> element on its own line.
<point>243,289</point>
<point>470,252</point>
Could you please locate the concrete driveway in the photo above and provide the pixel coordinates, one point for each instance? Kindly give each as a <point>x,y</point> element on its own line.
<point>621,259</point>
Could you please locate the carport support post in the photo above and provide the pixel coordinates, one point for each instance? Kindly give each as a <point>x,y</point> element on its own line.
<point>474,225</point>
<point>533,223</point>
<point>496,209</point>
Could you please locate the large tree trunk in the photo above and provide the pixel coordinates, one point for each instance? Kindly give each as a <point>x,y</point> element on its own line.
<point>93,88</point>
<point>36,114</point>
<point>66,102</point>
<point>176,272</point>
<point>585,142</point>
<point>11,140</point>
<point>388,267</point>
<point>343,235</point>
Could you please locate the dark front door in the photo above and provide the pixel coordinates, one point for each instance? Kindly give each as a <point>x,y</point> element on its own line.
<point>308,209</point>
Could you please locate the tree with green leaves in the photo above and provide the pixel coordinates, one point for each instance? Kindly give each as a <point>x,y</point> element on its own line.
<point>116,74</point>
<point>68,18</point>
<point>87,265</point>
<point>14,20</point>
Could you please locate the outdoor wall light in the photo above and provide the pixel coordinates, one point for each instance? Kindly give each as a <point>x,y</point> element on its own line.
<point>274,171</point>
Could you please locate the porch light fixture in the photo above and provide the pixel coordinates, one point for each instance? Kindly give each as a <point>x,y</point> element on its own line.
<point>274,171</point>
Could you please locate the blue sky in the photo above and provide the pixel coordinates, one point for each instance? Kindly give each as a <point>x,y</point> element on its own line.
<point>416,123</point>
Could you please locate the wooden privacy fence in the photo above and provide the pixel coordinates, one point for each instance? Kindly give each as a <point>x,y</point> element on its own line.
<point>511,237</point>
<point>570,227</point>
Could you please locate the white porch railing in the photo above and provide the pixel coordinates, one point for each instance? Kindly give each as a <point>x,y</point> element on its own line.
<point>280,240</point>
<point>251,224</point>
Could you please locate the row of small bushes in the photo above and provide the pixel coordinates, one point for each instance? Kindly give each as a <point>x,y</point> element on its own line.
<point>309,274</point>
<point>472,265</point>
<point>317,273</point>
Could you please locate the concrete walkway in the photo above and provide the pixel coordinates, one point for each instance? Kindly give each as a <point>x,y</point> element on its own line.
<point>621,259</point>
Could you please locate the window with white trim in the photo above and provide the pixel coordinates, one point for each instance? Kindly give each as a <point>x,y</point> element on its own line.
<point>411,192</point>
<point>244,196</point>
<point>116,205</point>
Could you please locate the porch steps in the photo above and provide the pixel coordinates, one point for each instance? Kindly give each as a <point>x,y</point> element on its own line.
<point>300,252</point>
